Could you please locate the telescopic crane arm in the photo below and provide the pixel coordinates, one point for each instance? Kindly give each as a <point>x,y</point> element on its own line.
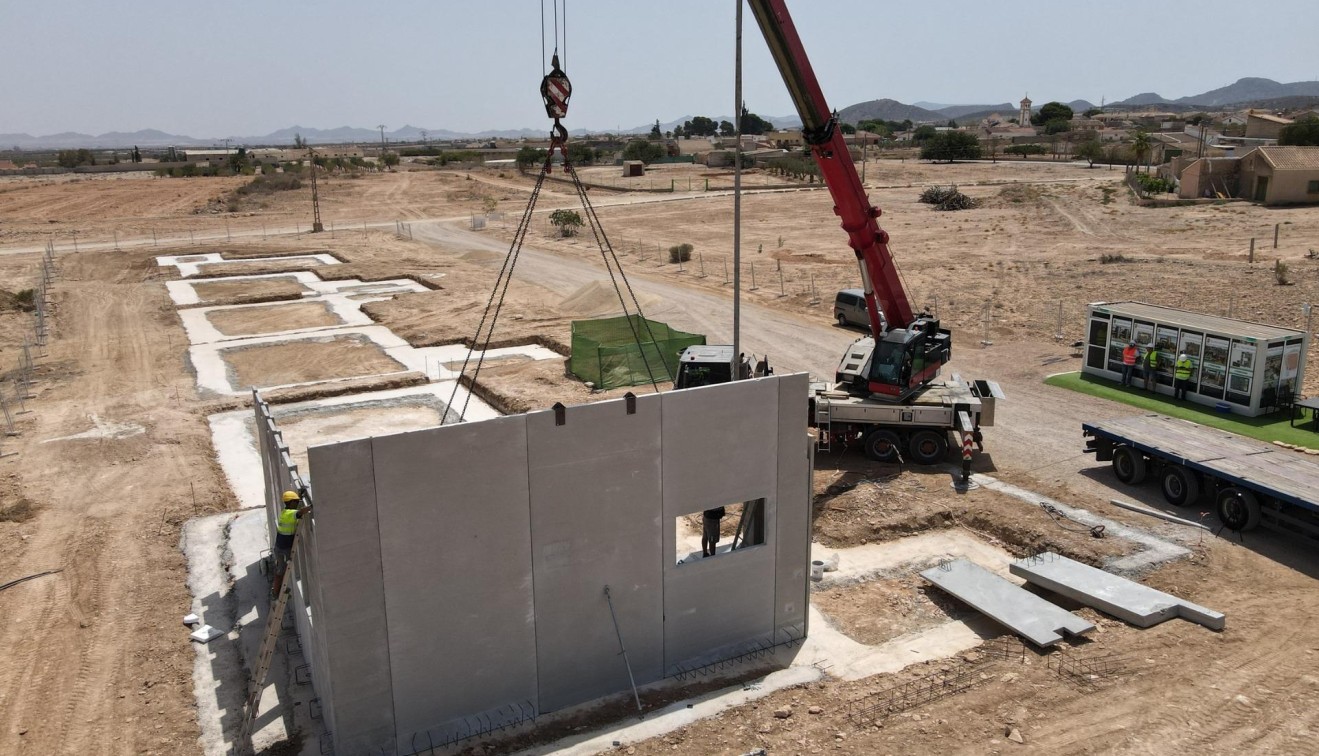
<point>884,292</point>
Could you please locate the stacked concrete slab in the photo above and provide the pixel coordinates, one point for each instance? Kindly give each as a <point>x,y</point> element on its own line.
<point>1007,603</point>
<point>1129,601</point>
<point>456,575</point>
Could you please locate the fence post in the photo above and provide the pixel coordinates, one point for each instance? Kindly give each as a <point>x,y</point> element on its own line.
<point>1275,234</point>
<point>782,292</point>
<point>753,278</point>
<point>1252,249</point>
<point>725,270</point>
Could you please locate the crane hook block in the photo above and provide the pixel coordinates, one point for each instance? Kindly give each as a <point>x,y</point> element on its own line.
<point>555,89</point>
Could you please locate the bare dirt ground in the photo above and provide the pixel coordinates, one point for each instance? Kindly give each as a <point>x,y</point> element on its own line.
<point>98,649</point>
<point>284,317</point>
<point>247,292</point>
<point>306,360</point>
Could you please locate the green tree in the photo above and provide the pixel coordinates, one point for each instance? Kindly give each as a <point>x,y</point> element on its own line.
<point>640,149</point>
<point>1141,146</point>
<point>655,132</point>
<point>1024,150</point>
<point>1090,150</point>
<point>1195,119</point>
<point>390,159</point>
<point>580,153</point>
<point>1092,112</point>
<point>923,133</point>
<point>567,221</point>
<point>1051,111</point>
<point>726,128</point>
<point>137,155</point>
<point>952,124</point>
<point>677,132</point>
<point>1303,133</point>
<point>1057,126</point>
<point>950,146</point>
<point>700,126</point>
<point>754,124</point>
<point>299,142</point>
<point>847,128</point>
<point>529,156</point>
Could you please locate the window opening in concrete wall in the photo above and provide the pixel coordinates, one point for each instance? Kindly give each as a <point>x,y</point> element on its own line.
<point>719,530</point>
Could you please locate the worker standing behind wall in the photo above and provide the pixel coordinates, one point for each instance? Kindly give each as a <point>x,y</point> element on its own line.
<point>1129,354</point>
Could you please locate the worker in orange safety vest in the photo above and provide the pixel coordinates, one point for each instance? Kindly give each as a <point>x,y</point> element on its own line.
<point>1129,354</point>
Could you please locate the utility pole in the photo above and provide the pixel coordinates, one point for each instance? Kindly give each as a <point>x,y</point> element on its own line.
<point>737,200</point>
<point>316,225</point>
<point>382,139</point>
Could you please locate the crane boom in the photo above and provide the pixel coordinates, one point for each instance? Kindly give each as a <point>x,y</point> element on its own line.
<point>908,349</point>
<point>884,292</point>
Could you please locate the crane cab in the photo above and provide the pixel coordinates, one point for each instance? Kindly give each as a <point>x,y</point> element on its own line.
<point>897,365</point>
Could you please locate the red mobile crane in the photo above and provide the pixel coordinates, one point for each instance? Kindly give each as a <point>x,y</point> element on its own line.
<point>885,392</point>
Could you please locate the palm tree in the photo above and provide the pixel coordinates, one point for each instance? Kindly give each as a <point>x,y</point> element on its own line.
<point>1141,146</point>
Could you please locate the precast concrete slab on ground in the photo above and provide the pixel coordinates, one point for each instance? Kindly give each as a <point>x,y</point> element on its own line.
<point>331,420</point>
<point>1008,604</point>
<point>184,293</point>
<point>1127,600</point>
<point>191,265</point>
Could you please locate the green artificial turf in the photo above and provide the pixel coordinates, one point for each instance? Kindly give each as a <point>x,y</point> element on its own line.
<point>1265,427</point>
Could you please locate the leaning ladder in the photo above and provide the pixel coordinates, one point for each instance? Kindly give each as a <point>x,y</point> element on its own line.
<point>274,625</point>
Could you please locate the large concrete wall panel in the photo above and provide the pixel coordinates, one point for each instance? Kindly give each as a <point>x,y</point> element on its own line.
<point>793,523</point>
<point>720,448</point>
<point>596,520</point>
<point>456,543</point>
<point>352,626</point>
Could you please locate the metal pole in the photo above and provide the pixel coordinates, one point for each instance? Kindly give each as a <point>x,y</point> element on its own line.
<point>1275,234</point>
<point>621,649</point>
<point>1252,249</point>
<point>737,199</point>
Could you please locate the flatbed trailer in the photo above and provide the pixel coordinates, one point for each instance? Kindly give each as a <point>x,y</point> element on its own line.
<point>1249,482</point>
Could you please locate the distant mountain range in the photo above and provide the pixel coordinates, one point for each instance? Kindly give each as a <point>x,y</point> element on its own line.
<point>1241,92</point>
<point>1247,92</point>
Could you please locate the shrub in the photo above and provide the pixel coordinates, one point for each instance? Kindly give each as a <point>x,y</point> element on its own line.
<point>680,253</point>
<point>270,183</point>
<point>1280,273</point>
<point>1117,258</point>
<point>567,221</point>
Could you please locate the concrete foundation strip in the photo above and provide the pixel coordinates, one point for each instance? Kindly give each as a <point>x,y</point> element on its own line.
<point>1008,604</point>
<point>1127,600</point>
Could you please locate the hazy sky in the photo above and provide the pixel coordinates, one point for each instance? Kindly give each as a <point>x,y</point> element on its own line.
<point>243,67</point>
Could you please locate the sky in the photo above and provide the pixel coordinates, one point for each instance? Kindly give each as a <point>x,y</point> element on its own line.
<point>249,67</point>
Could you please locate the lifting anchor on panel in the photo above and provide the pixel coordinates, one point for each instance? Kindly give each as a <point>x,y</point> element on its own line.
<point>555,89</point>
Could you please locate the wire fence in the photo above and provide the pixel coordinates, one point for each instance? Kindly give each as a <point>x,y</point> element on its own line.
<point>14,396</point>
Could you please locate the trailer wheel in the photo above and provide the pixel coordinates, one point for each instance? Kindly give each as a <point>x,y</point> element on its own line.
<point>1238,509</point>
<point>1181,487</point>
<point>928,447</point>
<point>883,446</point>
<point>1129,465</point>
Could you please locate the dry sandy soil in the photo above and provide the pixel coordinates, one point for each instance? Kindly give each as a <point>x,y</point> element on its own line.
<point>285,317</point>
<point>94,658</point>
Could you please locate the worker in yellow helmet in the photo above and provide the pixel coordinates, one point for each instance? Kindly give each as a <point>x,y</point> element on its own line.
<point>286,525</point>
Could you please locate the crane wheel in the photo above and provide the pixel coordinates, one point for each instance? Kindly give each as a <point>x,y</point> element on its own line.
<point>1129,465</point>
<point>1238,509</point>
<point>928,447</point>
<point>1181,487</point>
<point>884,446</point>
